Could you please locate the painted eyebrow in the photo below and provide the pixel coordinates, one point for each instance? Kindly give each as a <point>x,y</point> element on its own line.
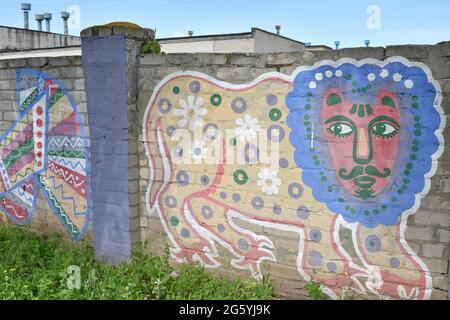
<point>333,99</point>
<point>388,101</point>
<point>340,118</point>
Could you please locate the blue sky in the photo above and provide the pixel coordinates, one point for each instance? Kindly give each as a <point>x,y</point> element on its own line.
<point>316,21</point>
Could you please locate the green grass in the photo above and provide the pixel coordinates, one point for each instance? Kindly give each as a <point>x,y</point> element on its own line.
<point>34,268</point>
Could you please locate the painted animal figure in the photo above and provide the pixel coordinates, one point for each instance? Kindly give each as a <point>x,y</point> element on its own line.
<point>339,145</point>
<point>45,150</point>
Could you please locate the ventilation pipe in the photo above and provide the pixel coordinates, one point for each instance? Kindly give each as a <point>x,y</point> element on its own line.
<point>65,16</point>
<point>47,17</point>
<point>278,28</point>
<point>25,8</point>
<point>39,18</point>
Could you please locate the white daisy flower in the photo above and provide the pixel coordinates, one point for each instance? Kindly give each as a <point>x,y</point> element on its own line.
<point>268,181</point>
<point>192,114</point>
<point>198,150</point>
<point>247,128</point>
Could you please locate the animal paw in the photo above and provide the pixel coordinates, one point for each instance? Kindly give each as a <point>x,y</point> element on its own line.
<point>203,253</point>
<point>257,249</point>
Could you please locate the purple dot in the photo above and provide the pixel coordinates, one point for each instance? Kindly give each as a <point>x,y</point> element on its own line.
<point>182,178</point>
<point>204,180</point>
<point>315,259</point>
<point>171,202</point>
<point>394,262</point>
<point>170,130</point>
<point>331,267</point>
<point>302,212</point>
<point>295,190</point>
<point>223,195</point>
<point>283,163</point>
<point>164,105</point>
<point>243,244</point>
<point>271,99</point>
<point>220,228</point>
<point>207,212</point>
<point>239,105</point>
<point>373,243</point>
<point>194,86</point>
<point>315,235</point>
<point>185,233</point>
<point>276,209</point>
<point>250,153</point>
<point>236,197</point>
<point>210,131</point>
<point>258,203</point>
<point>275,133</point>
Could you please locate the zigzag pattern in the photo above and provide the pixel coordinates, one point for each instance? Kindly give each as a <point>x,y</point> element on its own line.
<point>13,208</point>
<point>60,187</point>
<point>60,210</point>
<point>18,153</point>
<point>21,163</point>
<point>67,154</point>
<point>20,138</point>
<point>24,196</point>
<point>28,172</point>
<point>67,176</point>
<point>53,99</point>
<point>29,100</point>
<point>24,121</point>
<point>71,163</point>
<point>77,143</point>
<point>66,188</point>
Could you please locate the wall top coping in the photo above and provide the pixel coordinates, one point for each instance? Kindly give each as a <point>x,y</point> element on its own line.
<point>127,29</point>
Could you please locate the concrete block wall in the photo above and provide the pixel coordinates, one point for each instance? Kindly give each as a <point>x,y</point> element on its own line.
<point>13,39</point>
<point>427,230</point>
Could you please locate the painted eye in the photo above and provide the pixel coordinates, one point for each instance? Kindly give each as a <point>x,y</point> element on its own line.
<point>341,130</point>
<point>384,130</point>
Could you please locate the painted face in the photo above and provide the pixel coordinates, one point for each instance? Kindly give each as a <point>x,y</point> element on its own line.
<point>362,140</point>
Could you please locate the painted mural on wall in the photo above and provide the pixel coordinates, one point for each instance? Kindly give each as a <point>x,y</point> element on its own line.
<point>356,143</point>
<point>45,149</point>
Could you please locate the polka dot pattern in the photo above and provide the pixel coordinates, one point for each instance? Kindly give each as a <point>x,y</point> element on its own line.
<point>372,244</point>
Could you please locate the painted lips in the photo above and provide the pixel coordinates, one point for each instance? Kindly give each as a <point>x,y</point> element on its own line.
<point>365,182</point>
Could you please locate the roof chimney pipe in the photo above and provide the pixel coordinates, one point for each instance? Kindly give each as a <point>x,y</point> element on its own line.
<point>278,28</point>
<point>47,17</point>
<point>65,16</point>
<point>190,33</point>
<point>25,8</point>
<point>39,18</point>
<point>337,43</point>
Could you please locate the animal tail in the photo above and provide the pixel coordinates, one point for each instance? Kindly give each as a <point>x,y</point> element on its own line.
<point>160,166</point>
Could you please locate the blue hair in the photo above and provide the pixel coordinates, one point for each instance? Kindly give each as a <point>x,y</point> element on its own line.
<point>420,119</point>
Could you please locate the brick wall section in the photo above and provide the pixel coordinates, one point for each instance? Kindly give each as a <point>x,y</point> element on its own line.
<point>69,71</point>
<point>428,229</point>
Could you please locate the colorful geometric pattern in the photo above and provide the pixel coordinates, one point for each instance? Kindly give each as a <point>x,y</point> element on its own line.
<point>46,148</point>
